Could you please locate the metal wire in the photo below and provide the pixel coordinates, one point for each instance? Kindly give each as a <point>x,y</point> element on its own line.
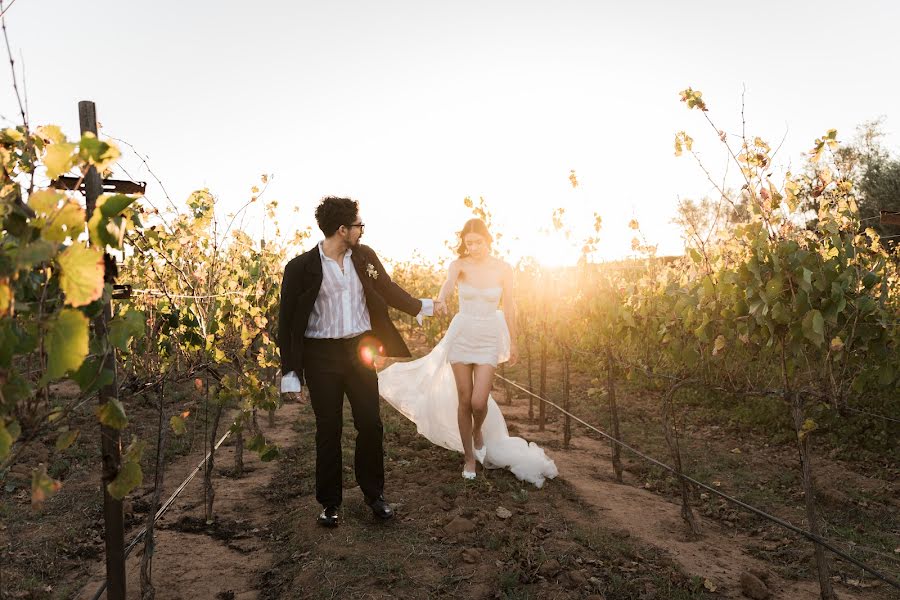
<point>808,535</point>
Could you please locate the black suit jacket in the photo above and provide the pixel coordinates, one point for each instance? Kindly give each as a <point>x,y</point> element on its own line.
<point>300,288</point>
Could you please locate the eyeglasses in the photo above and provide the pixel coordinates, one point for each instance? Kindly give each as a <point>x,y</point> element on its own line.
<point>360,225</point>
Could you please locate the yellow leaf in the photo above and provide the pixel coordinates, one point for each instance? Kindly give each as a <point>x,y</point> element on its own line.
<point>44,202</point>
<point>808,427</point>
<point>68,221</point>
<point>59,158</point>
<point>82,274</point>
<point>51,133</point>
<point>66,439</point>
<point>5,296</point>
<point>719,344</point>
<point>43,487</point>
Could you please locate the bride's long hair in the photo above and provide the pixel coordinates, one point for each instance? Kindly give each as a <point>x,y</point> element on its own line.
<point>473,226</point>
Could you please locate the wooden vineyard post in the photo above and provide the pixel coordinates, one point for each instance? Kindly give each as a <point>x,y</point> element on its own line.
<point>613,415</point>
<point>110,439</point>
<point>567,420</point>
<point>542,408</point>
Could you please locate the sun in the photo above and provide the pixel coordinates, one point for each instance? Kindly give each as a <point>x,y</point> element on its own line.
<point>547,249</point>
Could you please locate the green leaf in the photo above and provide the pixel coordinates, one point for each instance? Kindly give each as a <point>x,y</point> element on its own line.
<point>66,439</point>
<point>780,314</point>
<point>43,487</point>
<point>98,153</point>
<point>126,326</point>
<point>112,206</point>
<point>270,452</point>
<point>82,274</point>
<point>178,425</point>
<point>67,342</point>
<point>256,443</point>
<point>773,289</point>
<point>885,375</point>
<point>806,281</point>
<point>59,158</point>
<point>129,477</point>
<point>35,253</point>
<point>112,414</point>
<point>8,435</point>
<point>814,327</point>
<point>107,230</point>
<point>89,377</point>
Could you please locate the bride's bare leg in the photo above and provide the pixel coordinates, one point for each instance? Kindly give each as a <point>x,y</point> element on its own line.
<point>463,375</point>
<point>484,379</point>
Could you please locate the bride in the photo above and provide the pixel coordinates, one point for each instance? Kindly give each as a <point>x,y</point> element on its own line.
<point>447,392</point>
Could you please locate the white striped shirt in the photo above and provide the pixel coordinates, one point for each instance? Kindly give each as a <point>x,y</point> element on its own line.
<point>340,309</point>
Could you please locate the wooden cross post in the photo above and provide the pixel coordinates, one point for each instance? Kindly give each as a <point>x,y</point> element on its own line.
<point>110,439</point>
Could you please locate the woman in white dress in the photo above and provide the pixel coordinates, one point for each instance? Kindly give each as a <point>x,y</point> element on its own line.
<point>447,392</point>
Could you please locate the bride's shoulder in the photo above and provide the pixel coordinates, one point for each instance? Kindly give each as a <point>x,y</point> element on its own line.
<point>455,268</point>
<point>501,265</point>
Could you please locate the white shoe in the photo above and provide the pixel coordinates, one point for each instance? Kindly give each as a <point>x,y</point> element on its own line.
<point>480,453</point>
<point>468,474</point>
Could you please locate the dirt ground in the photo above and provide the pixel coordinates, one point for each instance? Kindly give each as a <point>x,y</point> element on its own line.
<point>581,536</point>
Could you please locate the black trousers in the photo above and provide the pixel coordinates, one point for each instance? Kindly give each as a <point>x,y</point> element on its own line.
<point>332,368</point>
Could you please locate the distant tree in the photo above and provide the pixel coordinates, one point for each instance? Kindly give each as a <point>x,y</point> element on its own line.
<point>705,220</point>
<point>875,172</point>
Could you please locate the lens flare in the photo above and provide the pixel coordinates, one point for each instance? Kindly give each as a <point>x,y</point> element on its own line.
<point>368,350</point>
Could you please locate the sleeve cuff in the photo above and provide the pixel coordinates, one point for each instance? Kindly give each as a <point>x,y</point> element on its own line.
<point>426,311</point>
<point>290,383</point>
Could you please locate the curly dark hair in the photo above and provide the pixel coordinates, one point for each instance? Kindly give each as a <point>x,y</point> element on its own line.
<point>333,212</point>
<point>472,226</point>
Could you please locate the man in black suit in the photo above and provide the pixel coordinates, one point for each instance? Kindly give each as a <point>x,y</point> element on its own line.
<point>333,321</point>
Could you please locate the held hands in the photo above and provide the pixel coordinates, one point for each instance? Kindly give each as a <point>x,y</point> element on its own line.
<point>440,307</point>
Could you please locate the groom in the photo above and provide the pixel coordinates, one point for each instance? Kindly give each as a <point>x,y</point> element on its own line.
<point>333,320</point>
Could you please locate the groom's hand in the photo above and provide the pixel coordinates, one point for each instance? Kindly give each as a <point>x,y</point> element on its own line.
<point>301,397</point>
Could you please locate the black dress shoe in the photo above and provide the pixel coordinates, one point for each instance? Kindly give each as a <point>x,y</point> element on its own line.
<point>380,507</point>
<point>328,517</point>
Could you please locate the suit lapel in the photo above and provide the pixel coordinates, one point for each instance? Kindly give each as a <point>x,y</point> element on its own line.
<point>359,264</point>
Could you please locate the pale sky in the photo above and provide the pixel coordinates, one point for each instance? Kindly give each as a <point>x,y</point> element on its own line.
<point>409,107</point>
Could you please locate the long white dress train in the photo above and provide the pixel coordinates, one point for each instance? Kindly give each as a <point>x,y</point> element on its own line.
<point>424,390</point>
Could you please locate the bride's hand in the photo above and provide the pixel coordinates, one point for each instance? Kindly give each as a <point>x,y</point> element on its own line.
<point>513,355</point>
<point>440,307</point>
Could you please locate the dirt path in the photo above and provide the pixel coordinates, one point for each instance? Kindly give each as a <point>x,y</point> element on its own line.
<point>719,556</point>
<point>222,561</point>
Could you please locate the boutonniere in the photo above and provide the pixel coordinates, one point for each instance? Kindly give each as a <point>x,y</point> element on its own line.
<point>371,271</point>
